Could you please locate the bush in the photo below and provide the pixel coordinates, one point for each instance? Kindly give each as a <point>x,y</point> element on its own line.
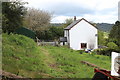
<point>106,51</point>
<point>112,45</point>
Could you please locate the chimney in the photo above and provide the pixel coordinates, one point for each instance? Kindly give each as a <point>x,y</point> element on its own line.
<point>74,18</point>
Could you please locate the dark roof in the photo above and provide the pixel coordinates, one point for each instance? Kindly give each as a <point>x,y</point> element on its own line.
<point>76,22</point>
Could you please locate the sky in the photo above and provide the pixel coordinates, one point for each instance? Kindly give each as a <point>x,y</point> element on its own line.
<point>98,11</point>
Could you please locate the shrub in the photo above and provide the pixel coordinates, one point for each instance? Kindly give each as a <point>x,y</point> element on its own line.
<point>112,45</point>
<point>106,51</point>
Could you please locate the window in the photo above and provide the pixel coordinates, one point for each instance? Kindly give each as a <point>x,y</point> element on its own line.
<point>83,45</point>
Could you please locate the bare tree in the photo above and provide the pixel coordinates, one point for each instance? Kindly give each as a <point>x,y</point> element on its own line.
<point>36,19</point>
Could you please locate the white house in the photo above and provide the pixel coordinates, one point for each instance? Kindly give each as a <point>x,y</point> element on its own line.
<point>81,34</point>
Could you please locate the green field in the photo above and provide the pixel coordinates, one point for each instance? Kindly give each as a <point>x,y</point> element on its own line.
<point>22,56</point>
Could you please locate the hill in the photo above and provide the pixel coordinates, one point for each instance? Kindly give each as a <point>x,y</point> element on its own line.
<point>106,27</point>
<point>23,57</point>
<point>57,24</point>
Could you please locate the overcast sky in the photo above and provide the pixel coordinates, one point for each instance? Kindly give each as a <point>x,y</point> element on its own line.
<point>93,10</point>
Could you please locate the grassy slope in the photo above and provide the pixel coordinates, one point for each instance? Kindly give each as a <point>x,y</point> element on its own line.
<point>22,56</point>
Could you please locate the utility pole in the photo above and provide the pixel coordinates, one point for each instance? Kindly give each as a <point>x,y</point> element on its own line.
<point>119,11</point>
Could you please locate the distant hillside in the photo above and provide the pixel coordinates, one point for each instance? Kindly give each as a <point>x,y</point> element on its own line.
<point>57,24</point>
<point>104,26</point>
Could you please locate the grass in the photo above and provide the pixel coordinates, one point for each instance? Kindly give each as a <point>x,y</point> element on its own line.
<point>69,61</point>
<point>22,56</point>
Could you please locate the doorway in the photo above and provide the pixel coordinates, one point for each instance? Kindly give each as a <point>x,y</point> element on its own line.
<point>83,45</point>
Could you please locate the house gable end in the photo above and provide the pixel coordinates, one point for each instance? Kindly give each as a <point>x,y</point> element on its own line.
<point>76,22</point>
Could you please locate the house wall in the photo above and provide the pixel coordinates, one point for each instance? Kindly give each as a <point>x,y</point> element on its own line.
<point>83,32</point>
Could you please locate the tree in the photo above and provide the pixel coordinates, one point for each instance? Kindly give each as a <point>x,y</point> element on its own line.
<point>101,39</point>
<point>67,22</point>
<point>115,33</point>
<point>12,15</point>
<point>56,32</point>
<point>52,33</point>
<point>112,45</point>
<point>36,19</point>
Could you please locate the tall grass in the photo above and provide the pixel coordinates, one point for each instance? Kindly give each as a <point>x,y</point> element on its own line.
<point>22,56</point>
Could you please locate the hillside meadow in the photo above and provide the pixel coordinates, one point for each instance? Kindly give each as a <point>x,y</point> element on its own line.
<point>22,56</point>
